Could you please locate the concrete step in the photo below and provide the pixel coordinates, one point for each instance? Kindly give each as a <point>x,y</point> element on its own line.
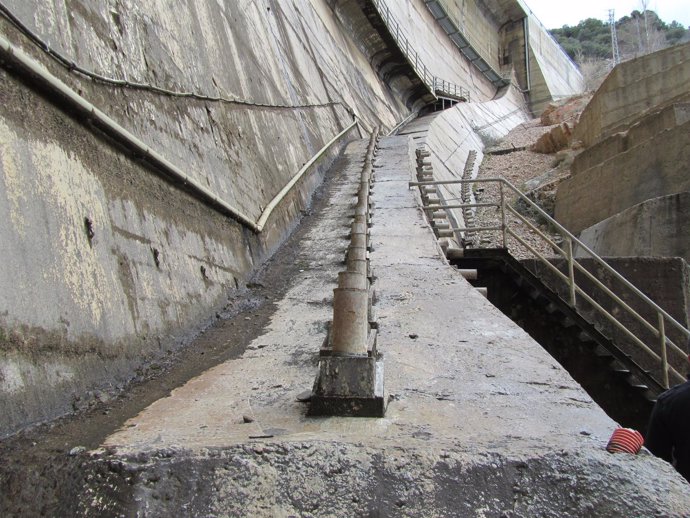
<point>455,253</point>
<point>470,275</point>
<point>602,352</point>
<point>440,224</point>
<point>568,322</point>
<point>584,337</point>
<point>483,291</point>
<point>551,308</point>
<point>444,232</point>
<point>619,368</point>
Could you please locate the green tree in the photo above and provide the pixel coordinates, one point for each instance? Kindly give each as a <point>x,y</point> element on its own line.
<point>639,33</point>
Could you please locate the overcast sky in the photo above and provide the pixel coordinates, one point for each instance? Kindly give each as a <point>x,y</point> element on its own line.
<point>554,14</point>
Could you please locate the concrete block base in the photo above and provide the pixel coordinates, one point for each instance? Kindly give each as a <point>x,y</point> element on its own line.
<point>349,386</point>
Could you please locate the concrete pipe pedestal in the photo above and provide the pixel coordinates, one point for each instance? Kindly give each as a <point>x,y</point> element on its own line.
<point>359,240</point>
<point>349,386</point>
<point>350,378</point>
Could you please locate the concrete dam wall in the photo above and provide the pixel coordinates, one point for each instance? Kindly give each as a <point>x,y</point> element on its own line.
<point>109,264</point>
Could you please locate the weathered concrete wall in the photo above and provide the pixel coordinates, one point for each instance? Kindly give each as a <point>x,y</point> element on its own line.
<point>656,167</point>
<point>561,73</point>
<point>496,29</point>
<point>642,130</point>
<point>553,74</point>
<point>479,25</point>
<point>659,227</point>
<point>107,265</point>
<point>632,89</point>
<point>437,51</point>
<point>513,48</point>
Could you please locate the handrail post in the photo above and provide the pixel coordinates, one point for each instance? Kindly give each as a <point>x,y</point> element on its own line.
<point>503,217</point>
<point>662,342</point>
<point>571,270</point>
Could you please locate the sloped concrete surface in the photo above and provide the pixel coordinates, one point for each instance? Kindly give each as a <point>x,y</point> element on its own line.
<point>481,421</point>
<point>658,227</point>
<point>634,88</point>
<point>654,168</point>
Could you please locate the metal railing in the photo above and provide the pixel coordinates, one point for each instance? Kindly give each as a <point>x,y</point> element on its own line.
<point>437,86</point>
<point>655,327</point>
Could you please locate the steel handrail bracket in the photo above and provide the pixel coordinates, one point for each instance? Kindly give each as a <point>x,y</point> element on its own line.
<point>658,328</point>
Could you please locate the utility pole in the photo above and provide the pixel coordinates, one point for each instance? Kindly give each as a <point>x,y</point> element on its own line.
<point>644,4</point>
<point>614,38</point>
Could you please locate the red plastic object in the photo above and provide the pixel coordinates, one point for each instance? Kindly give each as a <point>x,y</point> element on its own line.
<point>625,440</point>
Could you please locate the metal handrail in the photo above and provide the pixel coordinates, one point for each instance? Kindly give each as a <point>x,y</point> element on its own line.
<point>399,125</point>
<point>431,81</point>
<point>263,219</point>
<point>658,329</point>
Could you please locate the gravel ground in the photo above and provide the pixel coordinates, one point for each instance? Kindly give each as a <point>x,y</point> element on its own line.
<point>516,167</point>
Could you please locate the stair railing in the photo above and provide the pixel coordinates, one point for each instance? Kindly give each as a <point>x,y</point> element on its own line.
<point>437,86</point>
<point>658,328</point>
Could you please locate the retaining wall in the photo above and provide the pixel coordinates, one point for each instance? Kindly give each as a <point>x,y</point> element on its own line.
<point>632,89</point>
<point>656,167</point>
<point>659,227</point>
<point>645,129</point>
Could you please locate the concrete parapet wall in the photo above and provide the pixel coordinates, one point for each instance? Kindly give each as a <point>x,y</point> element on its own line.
<point>632,89</point>
<point>659,227</point>
<point>656,167</point>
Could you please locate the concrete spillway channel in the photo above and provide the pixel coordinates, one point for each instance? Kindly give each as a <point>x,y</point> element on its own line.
<point>480,421</point>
